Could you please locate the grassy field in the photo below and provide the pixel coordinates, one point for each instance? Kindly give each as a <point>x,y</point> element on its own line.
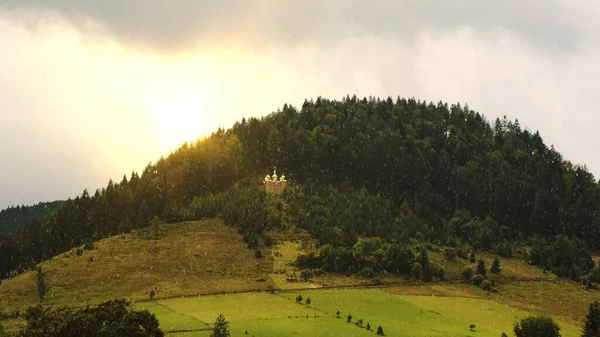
<point>206,257</point>
<point>197,257</point>
<point>265,314</point>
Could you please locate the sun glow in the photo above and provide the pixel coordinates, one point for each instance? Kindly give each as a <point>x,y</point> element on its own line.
<point>181,118</point>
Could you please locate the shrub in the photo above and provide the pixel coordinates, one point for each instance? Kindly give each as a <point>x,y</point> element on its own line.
<point>440,273</point>
<point>536,326</point>
<point>450,254</point>
<point>467,273</point>
<point>79,252</point>
<point>472,327</point>
<point>349,318</point>
<point>477,279</point>
<point>503,335</point>
<point>299,298</point>
<point>367,272</point>
<point>417,270</point>
<point>496,268</point>
<point>368,327</point>
<point>380,331</point>
<point>337,314</point>
<point>89,245</point>
<point>257,254</point>
<point>486,285</point>
<point>306,275</point>
<point>152,294</point>
<point>472,258</point>
<point>308,301</point>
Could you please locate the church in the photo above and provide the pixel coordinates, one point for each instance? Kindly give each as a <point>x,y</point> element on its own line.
<point>272,185</point>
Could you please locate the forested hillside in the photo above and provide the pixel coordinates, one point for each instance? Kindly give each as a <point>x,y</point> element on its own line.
<point>17,216</point>
<point>393,170</point>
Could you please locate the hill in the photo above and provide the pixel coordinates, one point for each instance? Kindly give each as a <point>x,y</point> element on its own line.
<point>16,217</point>
<point>457,176</point>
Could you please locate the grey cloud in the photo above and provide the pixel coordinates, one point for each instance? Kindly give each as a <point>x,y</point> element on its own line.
<point>169,25</point>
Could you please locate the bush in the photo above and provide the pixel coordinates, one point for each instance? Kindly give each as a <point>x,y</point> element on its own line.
<point>477,279</point>
<point>367,272</point>
<point>89,245</point>
<point>380,331</point>
<point>299,298</point>
<point>472,258</point>
<point>440,273</point>
<point>79,252</point>
<point>368,327</point>
<point>257,254</point>
<point>417,270</point>
<point>349,318</point>
<point>472,327</point>
<point>306,275</point>
<point>536,326</point>
<point>450,254</point>
<point>308,301</point>
<point>467,273</point>
<point>486,285</point>
<point>152,293</point>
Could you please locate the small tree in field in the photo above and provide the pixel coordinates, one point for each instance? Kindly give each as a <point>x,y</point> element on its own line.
<point>368,327</point>
<point>308,301</point>
<point>337,314</point>
<point>220,329</point>
<point>503,335</point>
<point>481,268</point>
<point>380,331</point>
<point>537,326</point>
<point>152,294</point>
<point>467,273</point>
<point>349,318</point>
<point>496,269</point>
<point>592,321</point>
<point>472,327</point>
<point>41,283</point>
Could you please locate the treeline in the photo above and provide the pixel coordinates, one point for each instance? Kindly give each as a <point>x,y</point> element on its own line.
<point>446,164</point>
<point>15,217</point>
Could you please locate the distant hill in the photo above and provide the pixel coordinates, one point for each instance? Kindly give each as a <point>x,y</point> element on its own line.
<point>18,216</point>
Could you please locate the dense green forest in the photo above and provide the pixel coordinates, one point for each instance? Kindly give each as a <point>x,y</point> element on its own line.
<point>366,176</point>
<point>17,216</point>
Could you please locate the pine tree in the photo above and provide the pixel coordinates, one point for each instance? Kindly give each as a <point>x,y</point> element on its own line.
<point>220,329</point>
<point>496,269</point>
<point>41,283</point>
<point>481,268</point>
<point>592,321</point>
<point>380,331</point>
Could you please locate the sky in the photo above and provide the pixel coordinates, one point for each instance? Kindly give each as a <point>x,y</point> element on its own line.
<point>92,90</point>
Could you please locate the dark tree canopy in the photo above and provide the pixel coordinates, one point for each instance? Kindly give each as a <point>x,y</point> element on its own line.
<point>112,318</point>
<point>537,327</point>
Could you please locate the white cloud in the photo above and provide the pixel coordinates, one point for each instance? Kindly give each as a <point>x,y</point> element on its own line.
<point>78,108</point>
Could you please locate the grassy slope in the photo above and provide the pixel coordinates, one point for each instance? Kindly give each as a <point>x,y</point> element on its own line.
<point>206,257</point>
<point>190,258</point>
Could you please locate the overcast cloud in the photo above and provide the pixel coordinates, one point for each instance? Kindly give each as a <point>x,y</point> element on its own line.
<point>80,81</point>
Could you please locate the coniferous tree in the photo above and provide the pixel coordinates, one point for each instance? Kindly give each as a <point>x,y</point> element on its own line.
<point>496,268</point>
<point>221,328</point>
<point>592,321</point>
<point>41,283</point>
<point>481,268</point>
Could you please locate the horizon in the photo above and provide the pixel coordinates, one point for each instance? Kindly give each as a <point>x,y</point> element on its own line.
<point>92,91</point>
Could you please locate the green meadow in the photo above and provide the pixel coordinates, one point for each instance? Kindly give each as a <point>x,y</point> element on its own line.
<point>264,314</point>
